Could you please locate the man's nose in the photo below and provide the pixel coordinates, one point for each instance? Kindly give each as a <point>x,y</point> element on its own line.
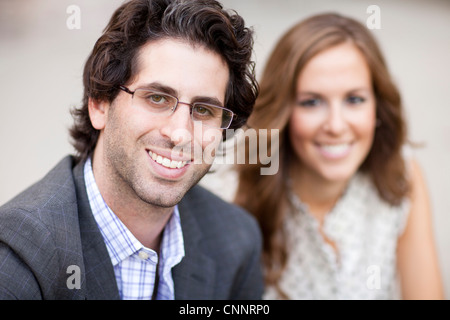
<point>178,126</point>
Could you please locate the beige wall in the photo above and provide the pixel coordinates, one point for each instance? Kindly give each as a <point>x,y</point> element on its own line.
<point>41,63</point>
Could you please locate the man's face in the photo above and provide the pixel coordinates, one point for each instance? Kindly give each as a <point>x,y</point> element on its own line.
<point>148,157</point>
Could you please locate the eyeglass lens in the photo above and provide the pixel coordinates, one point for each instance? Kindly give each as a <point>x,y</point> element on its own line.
<point>160,103</point>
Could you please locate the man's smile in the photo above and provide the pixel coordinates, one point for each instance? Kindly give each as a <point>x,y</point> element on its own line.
<point>166,162</point>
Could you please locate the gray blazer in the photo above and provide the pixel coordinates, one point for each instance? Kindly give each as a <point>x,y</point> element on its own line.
<point>50,227</point>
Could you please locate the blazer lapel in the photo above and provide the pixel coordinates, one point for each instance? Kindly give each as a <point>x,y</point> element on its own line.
<point>194,276</point>
<point>100,278</point>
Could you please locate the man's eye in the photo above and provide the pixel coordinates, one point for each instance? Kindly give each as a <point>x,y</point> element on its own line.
<point>157,98</point>
<point>203,111</point>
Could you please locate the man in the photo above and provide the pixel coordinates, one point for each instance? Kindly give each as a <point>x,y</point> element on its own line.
<point>124,219</point>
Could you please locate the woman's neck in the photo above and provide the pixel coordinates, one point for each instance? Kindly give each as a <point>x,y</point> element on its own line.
<point>318,193</point>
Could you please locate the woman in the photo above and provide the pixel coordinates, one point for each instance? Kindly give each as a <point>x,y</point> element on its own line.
<point>347,214</point>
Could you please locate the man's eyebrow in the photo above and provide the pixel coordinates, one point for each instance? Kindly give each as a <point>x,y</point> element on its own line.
<point>208,100</point>
<point>156,86</point>
<point>159,87</point>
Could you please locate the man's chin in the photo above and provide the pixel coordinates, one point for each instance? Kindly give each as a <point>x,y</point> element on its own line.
<point>163,201</point>
<point>167,194</point>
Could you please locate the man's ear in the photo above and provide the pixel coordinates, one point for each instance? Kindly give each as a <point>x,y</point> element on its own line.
<point>98,111</point>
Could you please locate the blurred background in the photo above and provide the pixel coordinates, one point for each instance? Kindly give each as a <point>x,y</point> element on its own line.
<point>44,44</point>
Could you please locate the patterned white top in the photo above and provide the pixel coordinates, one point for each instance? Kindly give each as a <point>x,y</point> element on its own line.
<point>365,230</point>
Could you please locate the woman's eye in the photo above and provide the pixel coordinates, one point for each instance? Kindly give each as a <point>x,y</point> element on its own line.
<point>355,100</point>
<point>309,103</point>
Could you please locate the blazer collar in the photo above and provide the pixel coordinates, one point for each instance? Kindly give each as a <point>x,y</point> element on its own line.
<point>194,276</point>
<point>100,278</point>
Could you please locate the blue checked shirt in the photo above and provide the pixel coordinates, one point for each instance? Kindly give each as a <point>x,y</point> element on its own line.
<point>135,265</point>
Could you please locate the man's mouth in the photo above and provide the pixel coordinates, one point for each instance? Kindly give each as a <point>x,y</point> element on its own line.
<point>166,162</point>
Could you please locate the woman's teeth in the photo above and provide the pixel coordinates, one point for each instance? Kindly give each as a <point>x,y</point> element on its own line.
<point>335,149</point>
<point>166,162</point>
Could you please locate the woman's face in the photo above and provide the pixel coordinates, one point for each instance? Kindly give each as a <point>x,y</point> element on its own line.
<point>333,121</point>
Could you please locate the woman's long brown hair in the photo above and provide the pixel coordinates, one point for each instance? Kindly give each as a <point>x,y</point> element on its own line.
<point>265,196</point>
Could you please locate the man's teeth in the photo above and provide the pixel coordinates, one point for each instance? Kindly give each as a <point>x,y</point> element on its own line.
<point>166,162</point>
<point>335,149</point>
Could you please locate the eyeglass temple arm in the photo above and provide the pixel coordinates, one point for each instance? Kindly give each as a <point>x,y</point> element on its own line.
<point>126,90</point>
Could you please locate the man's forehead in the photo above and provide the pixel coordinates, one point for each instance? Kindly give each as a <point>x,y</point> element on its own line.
<point>178,67</point>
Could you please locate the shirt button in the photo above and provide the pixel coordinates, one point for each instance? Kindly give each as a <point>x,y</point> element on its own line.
<point>143,255</point>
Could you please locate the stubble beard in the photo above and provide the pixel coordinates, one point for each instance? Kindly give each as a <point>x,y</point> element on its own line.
<point>131,181</point>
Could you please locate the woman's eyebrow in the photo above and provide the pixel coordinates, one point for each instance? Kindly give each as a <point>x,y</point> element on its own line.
<point>308,93</point>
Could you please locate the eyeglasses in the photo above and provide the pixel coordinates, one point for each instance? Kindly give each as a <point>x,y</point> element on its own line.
<point>165,104</point>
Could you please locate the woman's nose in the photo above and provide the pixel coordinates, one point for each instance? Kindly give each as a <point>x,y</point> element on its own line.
<point>335,120</point>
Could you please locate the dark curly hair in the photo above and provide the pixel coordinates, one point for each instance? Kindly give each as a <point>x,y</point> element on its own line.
<point>113,60</point>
